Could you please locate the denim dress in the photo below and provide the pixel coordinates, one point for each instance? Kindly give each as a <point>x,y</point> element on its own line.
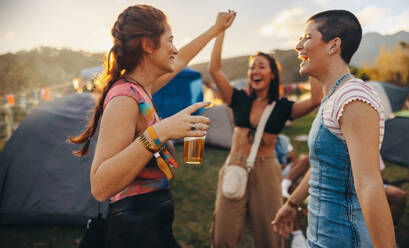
<point>334,215</point>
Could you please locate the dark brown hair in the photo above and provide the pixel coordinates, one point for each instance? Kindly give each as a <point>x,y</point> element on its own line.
<point>133,25</point>
<point>342,24</point>
<point>273,92</point>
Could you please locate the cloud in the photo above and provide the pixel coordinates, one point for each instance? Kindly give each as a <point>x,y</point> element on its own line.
<point>287,26</point>
<point>375,19</point>
<point>9,35</point>
<point>321,2</point>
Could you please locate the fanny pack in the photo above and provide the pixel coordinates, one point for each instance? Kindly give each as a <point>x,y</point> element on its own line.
<point>235,176</point>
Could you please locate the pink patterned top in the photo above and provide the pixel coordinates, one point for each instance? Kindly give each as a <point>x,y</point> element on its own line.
<point>151,177</point>
<point>352,90</point>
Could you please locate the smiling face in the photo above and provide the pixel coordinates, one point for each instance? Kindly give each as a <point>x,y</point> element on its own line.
<point>259,73</point>
<point>164,57</point>
<point>312,50</point>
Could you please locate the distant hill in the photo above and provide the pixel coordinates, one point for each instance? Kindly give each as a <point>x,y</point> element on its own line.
<point>43,66</point>
<point>236,68</point>
<point>371,44</point>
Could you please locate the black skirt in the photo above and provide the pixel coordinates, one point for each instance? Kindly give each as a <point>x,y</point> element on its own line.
<point>142,221</point>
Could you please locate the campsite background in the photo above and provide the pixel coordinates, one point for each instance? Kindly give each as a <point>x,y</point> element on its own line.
<point>52,51</point>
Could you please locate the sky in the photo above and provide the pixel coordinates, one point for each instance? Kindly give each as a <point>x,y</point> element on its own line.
<point>260,25</point>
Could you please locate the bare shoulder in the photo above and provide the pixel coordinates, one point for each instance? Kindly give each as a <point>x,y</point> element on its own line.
<point>120,117</point>
<point>356,112</point>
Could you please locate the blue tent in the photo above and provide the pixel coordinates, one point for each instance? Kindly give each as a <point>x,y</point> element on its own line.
<point>395,145</point>
<point>392,96</point>
<point>183,90</point>
<point>41,181</point>
<point>91,72</point>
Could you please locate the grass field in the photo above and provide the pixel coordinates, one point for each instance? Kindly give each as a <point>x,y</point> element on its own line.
<point>194,193</point>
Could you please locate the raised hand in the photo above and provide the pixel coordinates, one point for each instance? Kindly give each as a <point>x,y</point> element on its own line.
<point>183,124</point>
<point>224,20</point>
<point>283,222</point>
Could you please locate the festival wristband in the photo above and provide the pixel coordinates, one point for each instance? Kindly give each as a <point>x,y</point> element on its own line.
<point>146,143</point>
<point>154,136</point>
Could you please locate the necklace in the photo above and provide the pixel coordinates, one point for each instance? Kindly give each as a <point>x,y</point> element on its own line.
<point>134,81</point>
<point>260,99</point>
<point>338,82</point>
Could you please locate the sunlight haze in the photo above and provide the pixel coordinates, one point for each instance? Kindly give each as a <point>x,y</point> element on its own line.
<point>260,25</point>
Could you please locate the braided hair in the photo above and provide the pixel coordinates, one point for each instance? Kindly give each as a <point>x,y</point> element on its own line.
<point>134,24</point>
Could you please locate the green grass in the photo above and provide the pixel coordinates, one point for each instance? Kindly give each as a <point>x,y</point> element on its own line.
<point>194,189</point>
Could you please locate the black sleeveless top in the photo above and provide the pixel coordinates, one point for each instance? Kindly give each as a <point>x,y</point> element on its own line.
<point>241,105</point>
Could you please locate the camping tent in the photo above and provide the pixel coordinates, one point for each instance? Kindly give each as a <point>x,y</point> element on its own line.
<point>40,180</point>
<point>392,96</point>
<point>183,90</point>
<point>395,146</point>
<point>220,131</point>
<point>239,83</point>
<point>87,74</point>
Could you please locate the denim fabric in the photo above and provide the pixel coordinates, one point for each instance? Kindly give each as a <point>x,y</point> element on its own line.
<point>334,215</point>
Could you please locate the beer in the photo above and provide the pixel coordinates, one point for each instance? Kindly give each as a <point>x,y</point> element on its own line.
<point>193,150</point>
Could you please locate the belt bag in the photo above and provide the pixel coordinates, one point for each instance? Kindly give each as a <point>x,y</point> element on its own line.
<point>235,176</point>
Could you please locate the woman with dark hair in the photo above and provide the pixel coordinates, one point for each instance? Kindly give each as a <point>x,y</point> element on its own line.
<point>262,197</point>
<point>131,162</point>
<point>347,206</point>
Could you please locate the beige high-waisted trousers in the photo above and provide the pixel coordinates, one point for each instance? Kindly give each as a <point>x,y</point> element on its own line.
<point>259,204</point>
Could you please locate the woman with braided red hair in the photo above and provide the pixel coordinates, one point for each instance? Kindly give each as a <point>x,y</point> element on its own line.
<point>131,162</point>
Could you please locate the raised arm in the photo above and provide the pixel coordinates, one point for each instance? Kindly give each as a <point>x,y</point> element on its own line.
<point>190,50</point>
<point>360,128</point>
<point>215,70</point>
<point>304,107</point>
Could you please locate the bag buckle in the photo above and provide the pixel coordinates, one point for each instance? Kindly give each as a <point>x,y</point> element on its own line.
<point>249,167</point>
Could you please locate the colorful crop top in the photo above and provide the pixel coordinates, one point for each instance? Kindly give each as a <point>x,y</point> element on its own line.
<point>151,177</point>
<point>241,104</point>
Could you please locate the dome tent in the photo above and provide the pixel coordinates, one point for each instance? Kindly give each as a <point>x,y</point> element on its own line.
<point>395,145</point>
<point>40,180</point>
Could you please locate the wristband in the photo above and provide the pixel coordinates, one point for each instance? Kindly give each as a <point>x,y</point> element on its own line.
<point>292,204</point>
<point>154,136</point>
<point>146,143</point>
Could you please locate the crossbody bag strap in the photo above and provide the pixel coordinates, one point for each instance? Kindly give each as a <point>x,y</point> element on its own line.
<point>259,133</point>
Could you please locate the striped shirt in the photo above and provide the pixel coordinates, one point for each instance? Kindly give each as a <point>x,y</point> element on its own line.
<point>353,90</point>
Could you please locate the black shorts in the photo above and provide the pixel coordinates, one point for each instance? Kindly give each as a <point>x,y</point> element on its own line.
<point>141,221</point>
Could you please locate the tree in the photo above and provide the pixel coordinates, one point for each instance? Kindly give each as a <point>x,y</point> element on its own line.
<point>390,66</point>
<point>44,66</point>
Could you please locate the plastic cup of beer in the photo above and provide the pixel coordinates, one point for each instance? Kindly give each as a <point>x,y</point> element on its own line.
<point>193,149</point>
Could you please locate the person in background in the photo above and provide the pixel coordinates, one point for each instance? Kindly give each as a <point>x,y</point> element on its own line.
<point>347,200</point>
<point>263,192</point>
<point>131,161</point>
<point>396,199</point>
<point>293,167</point>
